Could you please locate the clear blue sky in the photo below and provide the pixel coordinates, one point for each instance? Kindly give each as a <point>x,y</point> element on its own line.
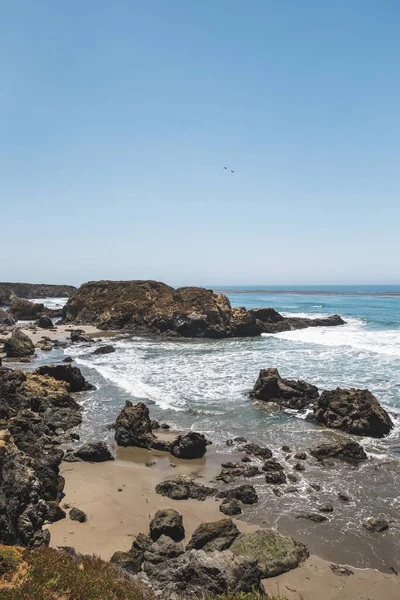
<point>117,118</point>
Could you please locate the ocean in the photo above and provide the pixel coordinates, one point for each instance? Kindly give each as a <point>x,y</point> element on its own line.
<point>204,385</point>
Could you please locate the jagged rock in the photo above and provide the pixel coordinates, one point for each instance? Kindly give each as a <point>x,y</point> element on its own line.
<point>78,336</point>
<point>104,350</point>
<point>270,387</point>
<point>71,375</point>
<point>45,322</point>
<point>341,448</point>
<point>300,456</point>
<point>353,411</point>
<point>10,291</point>
<point>18,345</point>
<point>272,465</point>
<point>230,507</point>
<point>299,467</point>
<point>22,512</point>
<point>245,493</point>
<point>75,514</point>
<point>68,359</point>
<point>167,522</point>
<point>163,549</point>
<point>141,542</point>
<point>191,445</point>
<point>292,477</point>
<point>54,512</point>
<point>256,450</point>
<point>315,517</point>
<point>182,487</point>
<point>274,552</point>
<point>94,452</point>
<point>341,570</point>
<point>133,426</point>
<point>6,319</point>
<point>129,561</point>
<point>275,477</point>
<point>218,535</point>
<point>376,525</point>
<point>23,310</point>
<point>198,574</point>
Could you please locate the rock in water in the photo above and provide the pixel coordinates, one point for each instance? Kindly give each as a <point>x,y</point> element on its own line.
<point>218,535</point>
<point>341,448</point>
<point>376,525</point>
<point>69,374</point>
<point>104,350</point>
<point>274,552</point>
<point>94,452</point>
<point>129,561</point>
<point>25,311</point>
<point>45,322</point>
<point>270,387</point>
<point>133,426</point>
<point>230,507</point>
<point>167,522</point>
<point>199,574</point>
<point>5,318</point>
<point>190,445</point>
<point>18,345</point>
<point>353,411</point>
<point>245,493</point>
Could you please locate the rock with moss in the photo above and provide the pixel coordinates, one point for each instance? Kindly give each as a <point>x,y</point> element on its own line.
<point>19,345</point>
<point>275,553</point>
<point>25,311</point>
<point>72,376</point>
<point>76,514</point>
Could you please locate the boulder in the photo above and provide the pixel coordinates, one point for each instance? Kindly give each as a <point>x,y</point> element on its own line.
<point>245,493</point>
<point>19,345</point>
<point>230,507</point>
<point>129,561</point>
<point>104,350</point>
<point>354,411</point>
<point>65,372</point>
<point>23,310</point>
<point>275,553</point>
<point>287,393</point>
<point>94,452</point>
<point>256,450</point>
<point>167,522</point>
<point>191,445</point>
<point>68,359</point>
<point>341,448</point>
<point>133,426</point>
<point>183,487</point>
<point>6,319</point>
<point>76,514</point>
<point>376,525</point>
<point>78,336</point>
<point>163,549</point>
<point>54,512</point>
<point>199,574</point>
<point>315,517</point>
<point>10,291</point>
<point>218,535</point>
<point>44,322</point>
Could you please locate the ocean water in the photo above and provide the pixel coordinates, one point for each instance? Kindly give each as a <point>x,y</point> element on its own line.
<point>204,385</point>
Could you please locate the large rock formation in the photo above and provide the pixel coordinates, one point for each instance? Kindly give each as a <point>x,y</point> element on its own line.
<point>65,372</point>
<point>23,310</point>
<point>353,411</point>
<point>341,448</point>
<point>133,426</point>
<point>19,345</point>
<point>10,291</point>
<point>218,535</point>
<point>288,393</point>
<point>6,319</point>
<point>153,307</point>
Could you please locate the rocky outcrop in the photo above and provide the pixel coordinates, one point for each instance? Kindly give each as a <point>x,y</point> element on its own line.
<point>23,310</point>
<point>93,452</point>
<point>340,448</point>
<point>44,322</point>
<point>169,523</point>
<point>287,393</point>
<point>151,307</point>
<point>65,372</point>
<point>376,525</point>
<point>183,487</point>
<point>190,445</point>
<point>6,319</point>
<point>10,291</point>
<point>19,345</point>
<point>245,493</point>
<point>133,426</point>
<point>218,535</point>
<point>275,553</point>
<point>354,411</point>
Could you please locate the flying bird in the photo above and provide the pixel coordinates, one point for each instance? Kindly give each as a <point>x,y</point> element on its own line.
<point>225,168</point>
<point>232,171</point>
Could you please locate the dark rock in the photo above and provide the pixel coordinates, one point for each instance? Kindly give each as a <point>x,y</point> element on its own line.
<point>18,345</point>
<point>94,452</point>
<point>230,507</point>
<point>326,508</point>
<point>68,359</point>
<point>129,561</point>
<point>167,522</point>
<point>191,445</point>
<point>315,486</point>
<point>133,426</point>
<point>275,477</point>
<point>376,525</point>
<point>217,535</point>
<point>270,387</point>
<point>6,320</point>
<point>23,310</point>
<point>141,542</point>
<point>45,322</point>
<point>71,375</point>
<point>343,497</point>
<point>54,512</point>
<point>10,291</point>
<point>272,465</point>
<point>285,449</point>
<point>245,493</point>
<point>341,570</point>
<point>165,426</point>
<point>104,350</point>
<point>292,477</point>
<point>75,514</point>
<point>246,459</point>
<point>299,467</point>
<point>300,456</point>
<point>182,487</point>
<point>275,553</point>
<point>353,411</point>
<point>78,336</point>
<point>155,424</point>
<point>68,550</point>
<point>341,448</point>
<point>278,493</point>
<point>258,451</point>
<point>163,549</point>
<point>315,517</point>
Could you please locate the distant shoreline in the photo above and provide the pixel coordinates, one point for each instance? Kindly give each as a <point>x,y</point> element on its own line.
<point>306,292</point>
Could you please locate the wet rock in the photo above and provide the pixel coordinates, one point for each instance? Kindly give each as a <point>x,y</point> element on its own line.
<point>230,507</point>
<point>315,517</point>
<point>166,426</point>
<point>94,452</point>
<point>376,525</point>
<point>167,522</point>
<point>287,393</point>
<point>274,552</point>
<point>75,514</point>
<point>246,459</point>
<point>315,486</point>
<point>155,424</point>
<point>199,574</point>
<point>285,449</point>
<point>183,487</point>
<point>189,446</point>
<point>133,426</point>
<point>78,336</point>
<point>341,570</point>
<point>341,448</point>
<point>245,493</point>
<point>45,322</point>
<point>68,359</point>
<point>354,411</point>
<point>292,477</point>
<point>278,493</point>
<point>18,345</point>
<point>326,508</point>
<point>54,512</point>
<point>218,535</point>
<point>256,450</point>
<point>299,467</point>
<point>23,310</point>
<point>275,477</point>
<point>108,349</point>
<point>272,465</point>
<point>300,456</point>
<point>65,372</point>
<point>343,497</point>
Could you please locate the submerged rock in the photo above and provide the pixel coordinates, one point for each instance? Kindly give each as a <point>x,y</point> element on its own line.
<point>315,517</point>
<point>275,553</point>
<point>354,411</point>
<point>218,535</point>
<point>19,345</point>
<point>376,525</point>
<point>287,393</point>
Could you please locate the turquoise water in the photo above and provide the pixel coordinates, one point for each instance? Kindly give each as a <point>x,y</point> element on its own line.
<point>205,384</point>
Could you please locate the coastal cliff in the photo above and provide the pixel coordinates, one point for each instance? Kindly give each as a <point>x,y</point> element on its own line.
<point>146,306</point>
<point>10,291</point>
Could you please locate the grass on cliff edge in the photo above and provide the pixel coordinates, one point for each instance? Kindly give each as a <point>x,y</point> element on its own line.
<point>48,574</point>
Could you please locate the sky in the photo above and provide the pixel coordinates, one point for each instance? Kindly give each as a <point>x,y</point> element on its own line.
<point>117,119</point>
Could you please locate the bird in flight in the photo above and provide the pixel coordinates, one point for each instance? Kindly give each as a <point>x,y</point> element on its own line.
<point>232,171</point>
<point>225,168</point>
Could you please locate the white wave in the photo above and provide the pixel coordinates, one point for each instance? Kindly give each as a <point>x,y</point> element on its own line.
<point>55,303</point>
